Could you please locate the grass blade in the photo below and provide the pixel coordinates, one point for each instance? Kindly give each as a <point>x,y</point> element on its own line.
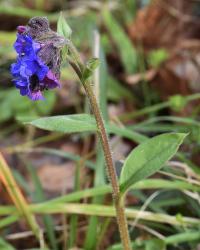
<point>22,206</point>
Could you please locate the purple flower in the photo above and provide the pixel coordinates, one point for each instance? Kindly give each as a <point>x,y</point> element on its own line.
<point>31,74</point>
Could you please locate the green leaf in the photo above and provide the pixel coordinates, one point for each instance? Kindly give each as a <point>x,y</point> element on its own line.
<point>6,111</point>
<point>188,236</point>
<point>66,123</point>
<point>5,246</point>
<point>79,123</point>
<point>127,52</point>
<point>126,133</point>
<point>63,28</point>
<point>155,244</point>
<point>116,91</point>
<point>46,106</point>
<point>14,105</point>
<point>149,157</point>
<point>91,65</point>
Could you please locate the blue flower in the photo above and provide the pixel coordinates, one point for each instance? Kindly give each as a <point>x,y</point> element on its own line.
<point>31,75</point>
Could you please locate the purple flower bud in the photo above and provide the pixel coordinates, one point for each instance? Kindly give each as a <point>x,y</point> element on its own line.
<point>21,29</point>
<point>36,68</point>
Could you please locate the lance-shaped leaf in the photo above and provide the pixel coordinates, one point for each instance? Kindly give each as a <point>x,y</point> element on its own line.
<point>147,158</point>
<point>63,28</point>
<point>65,123</point>
<point>79,123</point>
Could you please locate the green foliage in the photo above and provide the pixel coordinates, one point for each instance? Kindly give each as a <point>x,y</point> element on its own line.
<point>177,102</point>
<point>63,28</point>
<point>155,244</point>
<point>14,105</point>
<point>5,245</point>
<point>127,52</point>
<point>142,161</point>
<point>21,11</point>
<point>117,92</point>
<point>79,123</point>
<point>66,123</point>
<point>157,57</point>
<point>91,65</point>
<point>148,158</point>
<point>188,236</point>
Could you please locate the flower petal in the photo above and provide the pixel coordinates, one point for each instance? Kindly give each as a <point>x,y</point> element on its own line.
<point>20,82</point>
<point>23,91</point>
<point>51,81</point>
<point>29,65</point>
<point>35,96</point>
<point>15,68</point>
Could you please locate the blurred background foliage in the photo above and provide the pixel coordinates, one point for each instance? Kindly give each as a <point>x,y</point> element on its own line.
<point>149,83</point>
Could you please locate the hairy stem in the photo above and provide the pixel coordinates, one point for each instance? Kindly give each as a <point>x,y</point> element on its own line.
<point>119,205</point>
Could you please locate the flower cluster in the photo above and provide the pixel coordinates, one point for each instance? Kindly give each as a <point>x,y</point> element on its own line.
<point>31,75</point>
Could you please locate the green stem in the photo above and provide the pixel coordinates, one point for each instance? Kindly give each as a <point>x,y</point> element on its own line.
<point>102,211</point>
<point>119,206</point>
<point>110,167</point>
